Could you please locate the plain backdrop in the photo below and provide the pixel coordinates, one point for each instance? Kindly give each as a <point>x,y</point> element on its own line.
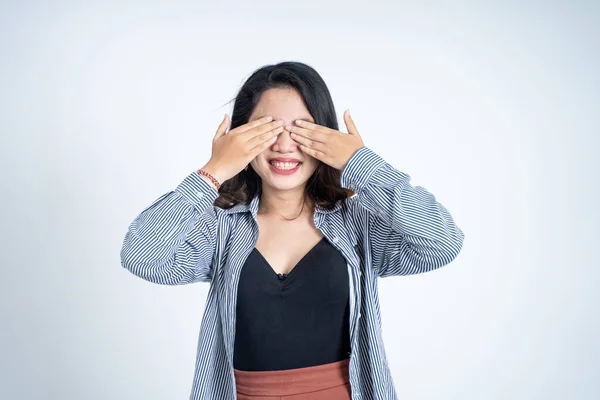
<point>491,106</point>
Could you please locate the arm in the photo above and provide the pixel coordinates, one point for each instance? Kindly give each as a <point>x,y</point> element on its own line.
<point>173,240</point>
<point>409,231</point>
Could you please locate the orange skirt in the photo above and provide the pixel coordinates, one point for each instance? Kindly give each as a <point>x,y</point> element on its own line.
<point>321,382</point>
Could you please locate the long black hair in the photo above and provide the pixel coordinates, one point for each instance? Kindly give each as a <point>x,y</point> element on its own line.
<point>323,187</point>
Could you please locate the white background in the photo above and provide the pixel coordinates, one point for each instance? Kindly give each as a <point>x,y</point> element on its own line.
<point>493,108</point>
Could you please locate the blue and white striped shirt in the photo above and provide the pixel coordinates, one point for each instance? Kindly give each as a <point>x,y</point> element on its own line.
<point>388,228</point>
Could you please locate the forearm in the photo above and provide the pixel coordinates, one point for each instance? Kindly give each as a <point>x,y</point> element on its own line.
<point>410,231</point>
<point>172,241</point>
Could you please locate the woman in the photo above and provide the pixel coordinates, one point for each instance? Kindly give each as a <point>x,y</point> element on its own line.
<point>291,222</point>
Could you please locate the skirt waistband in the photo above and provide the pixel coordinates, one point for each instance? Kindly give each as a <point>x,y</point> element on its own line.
<point>292,381</point>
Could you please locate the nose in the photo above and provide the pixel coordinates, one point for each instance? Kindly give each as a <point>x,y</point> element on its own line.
<point>285,144</point>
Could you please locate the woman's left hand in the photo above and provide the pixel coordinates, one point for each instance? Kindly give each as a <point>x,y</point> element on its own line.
<point>328,145</point>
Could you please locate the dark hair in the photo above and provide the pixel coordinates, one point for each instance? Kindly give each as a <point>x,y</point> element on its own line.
<point>323,187</point>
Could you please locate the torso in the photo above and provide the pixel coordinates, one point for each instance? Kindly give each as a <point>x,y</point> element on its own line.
<point>277,317</point>
<point>284,243</point>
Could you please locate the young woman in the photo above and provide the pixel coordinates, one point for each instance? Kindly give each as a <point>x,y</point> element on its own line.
<point>292,222</point>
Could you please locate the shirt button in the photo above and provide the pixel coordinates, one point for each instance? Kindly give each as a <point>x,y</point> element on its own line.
<point>200,195</point>
<point>335,239</point>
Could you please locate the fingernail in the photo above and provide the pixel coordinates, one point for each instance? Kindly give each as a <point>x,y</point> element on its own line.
<point>299,122</point>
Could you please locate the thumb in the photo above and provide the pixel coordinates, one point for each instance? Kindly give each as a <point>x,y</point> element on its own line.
<point>222,128</point>
<point>350,124</point>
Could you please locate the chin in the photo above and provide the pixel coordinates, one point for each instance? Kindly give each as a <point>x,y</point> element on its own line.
<point>279,186</point>
<point>283,182</point>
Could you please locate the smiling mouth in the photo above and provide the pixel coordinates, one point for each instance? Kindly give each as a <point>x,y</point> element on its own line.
<point>284,165</point>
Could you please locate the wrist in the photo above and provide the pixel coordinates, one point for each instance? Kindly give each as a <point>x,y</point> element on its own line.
<point>212,172</point>
<point>215,171</point>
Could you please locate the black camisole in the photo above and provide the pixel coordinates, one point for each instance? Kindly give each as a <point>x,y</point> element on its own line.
<point>295,320</point>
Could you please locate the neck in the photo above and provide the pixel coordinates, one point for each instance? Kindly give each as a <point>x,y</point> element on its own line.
<point>288,204</point>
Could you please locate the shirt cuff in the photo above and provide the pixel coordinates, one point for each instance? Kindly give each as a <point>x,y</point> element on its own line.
<point>198,192</point>
<point>363,163</point>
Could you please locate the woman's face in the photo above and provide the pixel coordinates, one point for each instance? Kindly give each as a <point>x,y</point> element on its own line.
<point>283,104</point>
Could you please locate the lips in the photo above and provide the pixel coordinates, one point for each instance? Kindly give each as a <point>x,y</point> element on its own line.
<point>286,168</point>
<point>284,165</point>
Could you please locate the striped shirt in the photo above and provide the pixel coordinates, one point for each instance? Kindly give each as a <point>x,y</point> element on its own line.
<point>387,228</point>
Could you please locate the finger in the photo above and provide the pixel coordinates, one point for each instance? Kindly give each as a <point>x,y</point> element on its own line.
<point>307,133</point>
<point>352,130</point>
<point>222,127</point>
<point>309,143</point>
<point>265,136</point>
<point>256,150</point>
<point>314,127</point>
<point>252,124</point>
<point>260,129</point>
<point>319,155</point>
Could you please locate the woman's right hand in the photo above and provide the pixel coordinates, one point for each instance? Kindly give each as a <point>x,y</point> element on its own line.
<point>233,150</point>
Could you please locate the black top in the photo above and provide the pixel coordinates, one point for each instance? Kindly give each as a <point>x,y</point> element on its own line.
<point>295,320</point>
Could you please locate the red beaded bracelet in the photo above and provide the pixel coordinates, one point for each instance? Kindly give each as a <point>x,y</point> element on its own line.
<point>209,176</point>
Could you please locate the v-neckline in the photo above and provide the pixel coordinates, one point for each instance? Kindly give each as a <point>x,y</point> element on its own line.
<point>287,275</point>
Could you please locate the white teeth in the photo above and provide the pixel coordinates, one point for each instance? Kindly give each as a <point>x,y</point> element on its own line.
<point>282,165</point>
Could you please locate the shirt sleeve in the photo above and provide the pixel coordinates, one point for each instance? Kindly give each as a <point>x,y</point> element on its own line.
<point>409,231</point>
<point>173,240</point>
